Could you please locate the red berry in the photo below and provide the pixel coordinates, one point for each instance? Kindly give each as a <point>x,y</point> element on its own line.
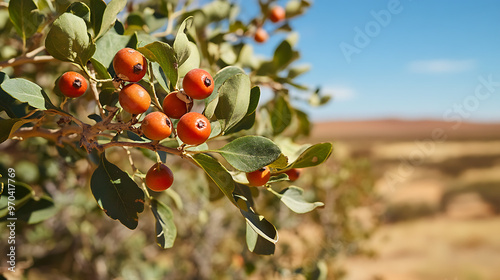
<point>261,35</point>
<point>159,177</point>
<point>277,14</point>
<point>156,126</point>
<point>259,177</point>
<point>175,107</point>
<point>130,65</point>
<point>134,99</point>
<point>198,84</point>
<point>72,84</point>
<point>293,174</point>
<point>193,128</point>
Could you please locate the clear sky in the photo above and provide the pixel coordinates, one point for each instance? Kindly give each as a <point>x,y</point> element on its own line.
<point>413,59</point>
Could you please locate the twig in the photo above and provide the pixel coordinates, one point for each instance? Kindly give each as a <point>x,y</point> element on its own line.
<point>145,145</point>
<point>95,92</point>
<point>27,58</point>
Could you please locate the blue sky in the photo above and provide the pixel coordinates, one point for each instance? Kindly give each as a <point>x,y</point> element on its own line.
<point>426,61</point>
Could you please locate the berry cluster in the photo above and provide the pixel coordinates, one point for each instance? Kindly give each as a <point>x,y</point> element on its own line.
<point>276,14</point>
<point>192,128</point>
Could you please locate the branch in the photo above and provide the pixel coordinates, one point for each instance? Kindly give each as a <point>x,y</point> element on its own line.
<point>27,58</point>
<point>65,134</point>
<point>145,145</point>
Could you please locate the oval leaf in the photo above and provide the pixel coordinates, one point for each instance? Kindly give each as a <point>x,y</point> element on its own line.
<point>25,17</point>
<point>116,193</point>
<point>9,126</point>
<point>233,100</point>
<point>250,153</point>
<point>68,40</point>
<point>163,54</point>
<point>26,91</point>
<point>219,79</point>
<point>217,173</point>
<point>181,43</point>
<point>165,227</point>
<point>293,199</point>
<point>108,17</point>
<point>281,115</point>
<point>312,156</point>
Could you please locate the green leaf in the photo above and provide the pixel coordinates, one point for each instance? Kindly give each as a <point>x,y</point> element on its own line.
<point>216,10</point>
<point>261,234</point>
<point>108,45</point>
<point>192,62</point>
<point>116,193</point>
<point>25,17</point>
<point>27,91</point>
<point>165,227</point>
<point>283,55</point>
<point>108,17</point>
<point>97,7</point>
<point>23,193</point>
<point>293,198</point>
<point>254,100</point>
<point>313,155</point>
<point>296,7</point>
<point>80,9</point>
<point>68,40</point>
<point>257,243</point>
<point>280,163</point>
<point>219,79</point>
<point>164,54</point>
<point>278,178</point>
<point>234,98</point>
<point>248,121</point>
<point>12,107</point>
<point>9,126</point>
<point>36,210</point>
<point>298,70</point>
<point>181,43</point>
<point>217,173</point>
<point>250,153</point>
<point>281,114</point>
<point>304,125</point>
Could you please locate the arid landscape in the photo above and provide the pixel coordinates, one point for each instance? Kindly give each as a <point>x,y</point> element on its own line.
<point>439,193</point>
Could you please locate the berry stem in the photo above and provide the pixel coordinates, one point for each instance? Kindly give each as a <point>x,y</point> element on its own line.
<point>156,102</point>
<point>93,88</point>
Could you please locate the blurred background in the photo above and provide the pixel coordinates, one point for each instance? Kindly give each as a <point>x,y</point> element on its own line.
<point>411,192</point>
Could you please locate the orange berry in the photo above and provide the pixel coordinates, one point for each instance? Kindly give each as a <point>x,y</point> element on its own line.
<point>193,128</point>
<point>198,84</point>
<point>134,99</point>
<point>159,177</point>
<point>261,35</point>
<point>130,65</point>
<point>259,177</point>
<point>277,14</point>
<point>156,126</point>
<point>293,174</point>
<point>174,107</point>
<point>72,84</point>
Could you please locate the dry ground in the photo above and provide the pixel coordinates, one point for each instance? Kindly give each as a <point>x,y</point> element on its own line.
<point>439,184</point>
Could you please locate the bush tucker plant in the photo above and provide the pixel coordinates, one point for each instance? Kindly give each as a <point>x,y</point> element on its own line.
<point>72,84</point>
<point>159,177</point>
<point>175,107</point>
<point>129,65</point>
<point>130,68</point>
<point>259,177</point>
<point>134,99</point>
<point>156,126</point>
<point>198,84</point>
<point>277,14</point>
